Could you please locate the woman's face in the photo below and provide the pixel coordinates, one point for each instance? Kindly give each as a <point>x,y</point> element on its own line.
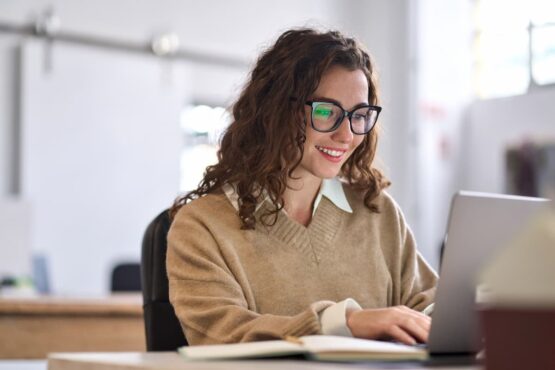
<point>326,152</point>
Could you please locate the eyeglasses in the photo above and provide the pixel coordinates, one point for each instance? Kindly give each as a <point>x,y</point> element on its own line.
<point>328,116</point>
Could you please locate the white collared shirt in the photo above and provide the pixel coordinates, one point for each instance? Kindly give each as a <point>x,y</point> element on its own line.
<point>331,189</point>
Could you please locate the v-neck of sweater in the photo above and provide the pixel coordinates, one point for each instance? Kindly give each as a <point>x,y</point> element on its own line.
<point>313,240</point>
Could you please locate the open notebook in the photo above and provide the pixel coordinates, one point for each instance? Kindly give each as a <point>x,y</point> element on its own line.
<point>315,347</point>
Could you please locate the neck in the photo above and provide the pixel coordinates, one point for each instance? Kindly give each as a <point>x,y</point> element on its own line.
<point>299,197</point>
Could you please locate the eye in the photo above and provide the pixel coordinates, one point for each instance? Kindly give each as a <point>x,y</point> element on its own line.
<point>362,114</point>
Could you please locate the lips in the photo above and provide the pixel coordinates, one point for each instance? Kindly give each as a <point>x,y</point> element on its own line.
<point>332,154</point>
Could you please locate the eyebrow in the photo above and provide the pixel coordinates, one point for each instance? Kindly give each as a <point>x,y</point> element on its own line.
<point>330,100</point>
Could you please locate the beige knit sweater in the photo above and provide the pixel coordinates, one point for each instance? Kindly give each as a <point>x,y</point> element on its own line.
<point>231,285</point>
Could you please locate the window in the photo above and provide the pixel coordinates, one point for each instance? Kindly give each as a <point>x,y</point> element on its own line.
<point>543,53</point>
<point>514,46</point>
<point>202,127</point>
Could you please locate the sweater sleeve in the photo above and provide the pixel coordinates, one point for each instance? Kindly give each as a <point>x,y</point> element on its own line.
<point>418,279</point>
<point>210,302</point>
<point>414,281</point>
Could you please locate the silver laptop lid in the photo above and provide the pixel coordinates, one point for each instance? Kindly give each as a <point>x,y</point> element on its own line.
<point>479,224</point>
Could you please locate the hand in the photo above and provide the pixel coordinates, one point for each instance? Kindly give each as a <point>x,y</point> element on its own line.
<point>398,323</point>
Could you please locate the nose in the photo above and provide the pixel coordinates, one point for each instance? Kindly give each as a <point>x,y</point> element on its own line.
<point>343,134</point>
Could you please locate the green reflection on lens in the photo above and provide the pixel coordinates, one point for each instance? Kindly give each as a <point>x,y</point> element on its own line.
<point>322,112</point>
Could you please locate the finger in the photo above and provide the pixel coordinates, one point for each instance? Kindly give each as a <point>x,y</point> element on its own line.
<point>416,313</point>
<point>418,329</point>
<point>398,334</point>
<point>423,320</point>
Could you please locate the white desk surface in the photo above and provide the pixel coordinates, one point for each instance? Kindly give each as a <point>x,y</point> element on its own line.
<point>173,361</point>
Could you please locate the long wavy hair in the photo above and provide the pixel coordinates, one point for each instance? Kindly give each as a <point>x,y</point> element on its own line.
<point>264,143</point>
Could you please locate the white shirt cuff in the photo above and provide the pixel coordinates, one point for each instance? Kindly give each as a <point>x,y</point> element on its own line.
<point>334,318</point>
<point>429,310</point>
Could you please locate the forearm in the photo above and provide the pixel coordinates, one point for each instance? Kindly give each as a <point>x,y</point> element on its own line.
<point>210,319</point>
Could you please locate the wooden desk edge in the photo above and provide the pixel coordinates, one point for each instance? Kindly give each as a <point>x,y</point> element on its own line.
<point>122,304</point>
<point>173,361</point>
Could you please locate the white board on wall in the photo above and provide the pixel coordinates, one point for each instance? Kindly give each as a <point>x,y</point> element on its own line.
<point>99,154</point>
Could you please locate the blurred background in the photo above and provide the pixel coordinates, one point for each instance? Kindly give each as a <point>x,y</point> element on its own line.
<point>110,109</point>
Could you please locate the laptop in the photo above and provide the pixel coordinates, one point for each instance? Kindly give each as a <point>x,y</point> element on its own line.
<point>479,225</point>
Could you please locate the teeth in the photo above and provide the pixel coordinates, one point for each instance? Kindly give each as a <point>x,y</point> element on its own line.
<point>333,153</point>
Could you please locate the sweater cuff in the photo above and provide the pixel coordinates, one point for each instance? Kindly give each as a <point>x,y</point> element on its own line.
<point>334,318</point>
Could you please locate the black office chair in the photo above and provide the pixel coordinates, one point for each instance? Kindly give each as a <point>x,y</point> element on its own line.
<point>162,328</point>
<point>126,277</point>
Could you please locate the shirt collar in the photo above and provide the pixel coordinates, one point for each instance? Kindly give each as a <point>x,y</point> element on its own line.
<point>331,189</point>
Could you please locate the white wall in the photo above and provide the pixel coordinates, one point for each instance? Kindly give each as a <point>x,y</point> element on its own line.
<point>442,68</point>
<point>495,124</point>
<point>15,231</point>
<point>100,150</point>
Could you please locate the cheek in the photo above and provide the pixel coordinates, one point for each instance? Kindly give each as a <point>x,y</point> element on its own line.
<point>308,143</point>
<point>312,136</point>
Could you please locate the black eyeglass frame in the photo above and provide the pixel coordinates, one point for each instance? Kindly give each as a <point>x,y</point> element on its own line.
<point>346,113</point>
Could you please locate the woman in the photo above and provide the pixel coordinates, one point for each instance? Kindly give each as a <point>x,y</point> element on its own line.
<point>291,232</point>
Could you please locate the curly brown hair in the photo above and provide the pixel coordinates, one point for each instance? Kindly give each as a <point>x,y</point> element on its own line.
<point>264,143</point>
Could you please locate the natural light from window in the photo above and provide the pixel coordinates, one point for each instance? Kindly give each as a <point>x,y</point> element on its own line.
<point>514,46</point>
<point>202,127</point>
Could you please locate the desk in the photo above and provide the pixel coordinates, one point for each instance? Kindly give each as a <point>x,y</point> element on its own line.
<point>172,361</point>
<point>33,327</point>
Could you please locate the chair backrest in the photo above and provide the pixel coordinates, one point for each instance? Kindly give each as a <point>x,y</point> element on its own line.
<point>162,328</point>
<point>126,277</point>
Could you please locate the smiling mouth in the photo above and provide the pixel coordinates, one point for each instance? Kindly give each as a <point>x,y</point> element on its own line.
<point>331,152</point>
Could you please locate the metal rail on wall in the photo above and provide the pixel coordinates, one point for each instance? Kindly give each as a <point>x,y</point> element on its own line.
<point>47,27</point>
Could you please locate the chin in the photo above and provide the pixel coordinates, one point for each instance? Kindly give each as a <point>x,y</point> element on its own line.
<point>326,174</point>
